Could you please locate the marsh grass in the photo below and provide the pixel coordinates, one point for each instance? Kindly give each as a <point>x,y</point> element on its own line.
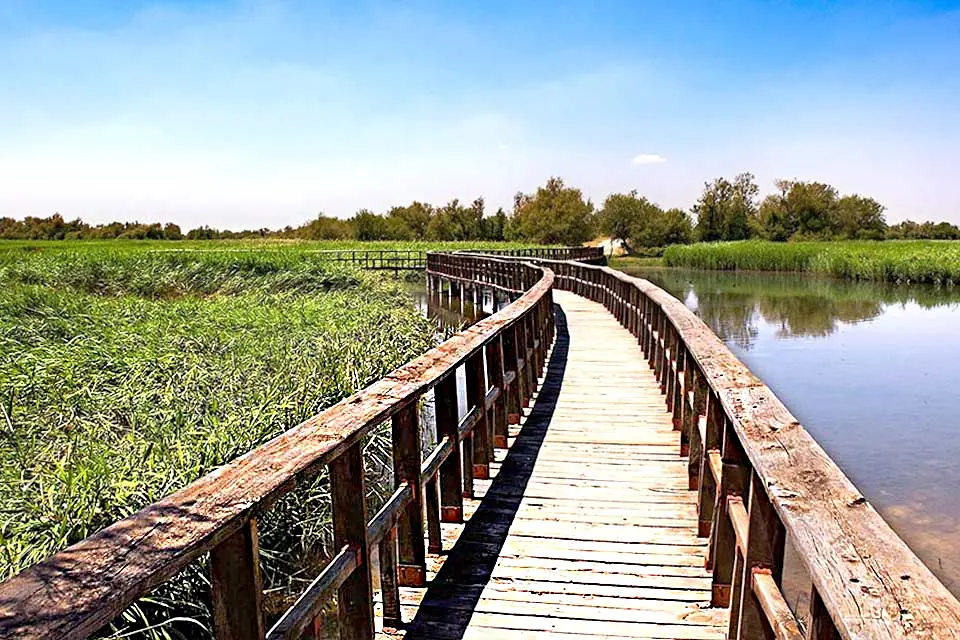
<point>913,261</point>
<point>126,374</point>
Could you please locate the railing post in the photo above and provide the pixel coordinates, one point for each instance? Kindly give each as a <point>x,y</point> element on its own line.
<point>476,397</point>
<point>405,429</point>
<point>389,585</point>
<point>495,377</point>
<point>708,484</point>
<point>451,478</point>
<point>236,591</point>
<point>821,626</point>
<point>765,542</point>
<point>723,542</point>
<point>348,491</point>
<point>695,452</point>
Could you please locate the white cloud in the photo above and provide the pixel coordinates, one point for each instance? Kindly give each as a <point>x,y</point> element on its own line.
<point>648,158</point>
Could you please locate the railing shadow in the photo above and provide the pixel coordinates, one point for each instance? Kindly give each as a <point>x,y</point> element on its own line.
<point>452,596</point>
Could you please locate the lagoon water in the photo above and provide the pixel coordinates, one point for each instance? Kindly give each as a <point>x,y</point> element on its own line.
<point>871,370</point>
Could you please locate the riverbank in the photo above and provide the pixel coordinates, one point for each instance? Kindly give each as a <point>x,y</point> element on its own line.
<point>907,261</point>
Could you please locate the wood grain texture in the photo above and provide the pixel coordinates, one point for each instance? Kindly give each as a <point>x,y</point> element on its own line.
<point>587,527</point>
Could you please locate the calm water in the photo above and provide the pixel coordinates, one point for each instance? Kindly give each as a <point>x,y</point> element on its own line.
<point>872,371</point>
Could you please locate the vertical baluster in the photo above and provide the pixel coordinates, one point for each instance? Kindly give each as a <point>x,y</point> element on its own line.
<point>708,484</point>
<point>510,361</point>
<point>348,493</point>
<point>476,397</point>
<point>723,542</point>
<point>432,505</point>
<point>495,377</point>
<point>697,408</point>
<point>766,538</point>
<point>821,625</point>
<point>451,478</point>
<point>677,389</point>
<point>406,468</point>
<point>236,591</point>
<point>389,585</point>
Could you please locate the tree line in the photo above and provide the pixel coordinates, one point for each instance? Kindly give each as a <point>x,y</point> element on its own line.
<point>727,209</point>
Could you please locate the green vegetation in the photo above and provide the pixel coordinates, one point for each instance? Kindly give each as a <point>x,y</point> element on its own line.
<point>639,223</point>
<point>907,261</point>
<point>127,372</point>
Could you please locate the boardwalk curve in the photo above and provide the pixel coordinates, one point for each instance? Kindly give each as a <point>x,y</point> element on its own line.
<point>588,528</point>
<point>634,411</point>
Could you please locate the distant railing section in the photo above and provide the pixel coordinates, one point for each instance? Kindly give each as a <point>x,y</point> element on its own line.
<point>587,255</point>
<point>412,259</point>
<point>760,478</point>
<point>79,590</point>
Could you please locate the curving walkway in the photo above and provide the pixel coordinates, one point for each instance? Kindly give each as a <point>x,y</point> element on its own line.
<point>589,531</point>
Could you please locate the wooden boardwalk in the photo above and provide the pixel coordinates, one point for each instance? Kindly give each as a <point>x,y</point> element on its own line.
<point>587,528</point>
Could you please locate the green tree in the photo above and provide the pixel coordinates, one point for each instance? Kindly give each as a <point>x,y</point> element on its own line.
<point>410,222</point>
<point>727,209</point>
<point>860,217</point>
<point>621,215</point>
<point>555,214</point>
<point>369,226</point>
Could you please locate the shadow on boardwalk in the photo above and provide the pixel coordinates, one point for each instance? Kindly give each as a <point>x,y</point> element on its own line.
<point>452,596</point>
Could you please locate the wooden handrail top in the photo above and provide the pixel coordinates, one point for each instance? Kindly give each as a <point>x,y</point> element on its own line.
<point>75,592</point>
<point>872,584</point>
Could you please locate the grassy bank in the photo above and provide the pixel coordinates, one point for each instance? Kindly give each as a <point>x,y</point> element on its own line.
<point>920,261</point>
<point>125,374</point>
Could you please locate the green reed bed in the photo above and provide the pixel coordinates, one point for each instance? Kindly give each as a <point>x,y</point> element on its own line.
<point>919,261</point>
<point>125,374</point>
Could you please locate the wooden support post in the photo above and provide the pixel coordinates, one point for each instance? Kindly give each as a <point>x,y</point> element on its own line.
<point>354,599</point>
<point>476,397</point>
<point>513,360</point>
<point>723,541</point>
<point>389,586</point>
<point>406,468</point>
<point>495,372</point>
<point>451,478</point>
<point>236,591</point>
<point>432,505</point>
<point>821,626</point>
<point>765,543</point>
<point>708,484</point>
<point>676,390</point>
<point>697,409</point>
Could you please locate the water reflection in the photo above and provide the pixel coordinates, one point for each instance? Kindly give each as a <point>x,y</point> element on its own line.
<point>734,303</point>
<point>452,307</point>
<point>870,370</point>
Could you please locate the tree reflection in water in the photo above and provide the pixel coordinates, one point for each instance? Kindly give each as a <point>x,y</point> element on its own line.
<point>732,303</point>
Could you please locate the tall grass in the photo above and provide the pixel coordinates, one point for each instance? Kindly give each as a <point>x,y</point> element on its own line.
<point>125,375</point>
<point>919,261</point>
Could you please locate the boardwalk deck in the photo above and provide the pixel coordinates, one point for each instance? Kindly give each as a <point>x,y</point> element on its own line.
<point>586,528</point>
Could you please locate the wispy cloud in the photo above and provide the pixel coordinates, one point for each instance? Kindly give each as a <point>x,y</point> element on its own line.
<point>648,158</point>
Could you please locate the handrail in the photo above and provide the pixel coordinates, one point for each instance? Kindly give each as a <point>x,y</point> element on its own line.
<point>761,477</point>
<point>77,591</point>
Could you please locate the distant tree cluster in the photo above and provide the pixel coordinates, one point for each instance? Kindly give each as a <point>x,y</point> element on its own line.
<point>799,210</point>
<point>728,209</point>
<point>56,228</point>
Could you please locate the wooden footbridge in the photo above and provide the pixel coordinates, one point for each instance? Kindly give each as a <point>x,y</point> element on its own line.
<point>615,472</point>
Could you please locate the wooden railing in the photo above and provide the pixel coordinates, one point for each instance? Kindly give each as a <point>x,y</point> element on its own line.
<point>761,479</point>
<point>376,259</point>
<point>412,259</point>
<point>79,590</point>
<point>587,255</point>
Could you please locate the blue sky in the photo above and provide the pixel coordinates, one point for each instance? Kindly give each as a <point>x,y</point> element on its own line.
<point>264,113</point>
